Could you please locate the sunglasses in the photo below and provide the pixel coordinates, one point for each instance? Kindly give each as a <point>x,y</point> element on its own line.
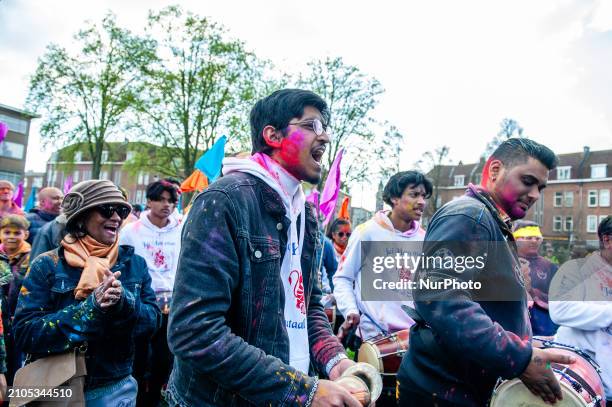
<point>107,210</point>
<point>342,234</point>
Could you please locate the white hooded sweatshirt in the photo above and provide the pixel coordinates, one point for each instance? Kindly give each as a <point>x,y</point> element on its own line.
<point>584,312</point>
<point>375,315</point>
<point>160,247</point>
<point>290,190</point>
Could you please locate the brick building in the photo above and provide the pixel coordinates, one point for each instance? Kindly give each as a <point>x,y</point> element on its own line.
<point>14,148</point>
<point>118,165</point>
<point>576,199</point>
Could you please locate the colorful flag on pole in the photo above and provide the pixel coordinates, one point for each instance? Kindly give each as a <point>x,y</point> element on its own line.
<point>210,162</point>
<point>195,182</point>
<point>3,131</point>
<point>31,203</point>
<point>344,212</point>
<point>67,184</point>
<point>18,198</point>
<point>330,191</point>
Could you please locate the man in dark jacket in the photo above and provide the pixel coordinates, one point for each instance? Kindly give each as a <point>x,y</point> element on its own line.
<point>464,340</point>
<point>246,324</point>
<point>49,206</point>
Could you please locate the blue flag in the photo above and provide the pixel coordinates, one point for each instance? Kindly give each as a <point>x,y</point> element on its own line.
<point>31,201</point>
<point>210,162</point>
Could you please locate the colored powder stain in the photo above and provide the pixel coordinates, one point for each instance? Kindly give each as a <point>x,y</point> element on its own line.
<point>291,147</point>
<point>24,290</point>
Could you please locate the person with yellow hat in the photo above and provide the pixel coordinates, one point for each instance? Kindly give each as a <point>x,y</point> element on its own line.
<point>541,272</point>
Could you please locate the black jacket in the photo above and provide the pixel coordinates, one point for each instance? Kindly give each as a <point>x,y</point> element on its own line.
<point>464,343</point>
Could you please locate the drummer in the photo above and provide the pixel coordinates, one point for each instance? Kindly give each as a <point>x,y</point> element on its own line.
<point>585,315</point>
<point>407,193</point>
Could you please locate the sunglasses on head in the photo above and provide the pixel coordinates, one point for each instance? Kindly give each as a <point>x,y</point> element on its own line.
<point>107,210</point>
<point>342,234</point>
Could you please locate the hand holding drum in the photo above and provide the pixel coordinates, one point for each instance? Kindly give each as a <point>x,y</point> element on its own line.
<point>540,378</point>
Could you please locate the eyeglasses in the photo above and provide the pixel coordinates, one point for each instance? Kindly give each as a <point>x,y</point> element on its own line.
<point>342,234</point>
<point>107,210</point>
<point>313,124</point>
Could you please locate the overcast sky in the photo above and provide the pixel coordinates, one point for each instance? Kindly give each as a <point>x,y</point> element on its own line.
<point>452,70</point>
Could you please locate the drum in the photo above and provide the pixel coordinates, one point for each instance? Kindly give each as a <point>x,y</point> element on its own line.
<point>580,383</point>
<point>385,352</point>
<point>539,341</point>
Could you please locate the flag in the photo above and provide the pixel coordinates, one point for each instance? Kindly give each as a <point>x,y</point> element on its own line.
<point>344,212</point>
<point>31,201</point>
<point>210,162</point>
<point>313,197</point>
<point>67,184</point>
<point>195,182</point>
<point>3,131</point>
<point>330,191</point>
<point>18,198</point>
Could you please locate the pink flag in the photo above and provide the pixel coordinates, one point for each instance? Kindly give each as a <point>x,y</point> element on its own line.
<point>313,197</point>
<point>68,184</point>
<point>3,131</point>
<point>331,189</point>
<point>18,198</point>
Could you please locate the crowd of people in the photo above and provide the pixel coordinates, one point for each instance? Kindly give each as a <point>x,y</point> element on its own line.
<point>248,300</point>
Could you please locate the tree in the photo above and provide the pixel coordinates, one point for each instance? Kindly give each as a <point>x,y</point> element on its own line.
<point>432,163</point>
<point>508,129</point>
<point>351,97</point>
<point>87,96</point>
<point>200,87</point>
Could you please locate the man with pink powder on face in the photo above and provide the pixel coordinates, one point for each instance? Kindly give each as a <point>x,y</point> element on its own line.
<point>246,324</point>
<point>464,339</point>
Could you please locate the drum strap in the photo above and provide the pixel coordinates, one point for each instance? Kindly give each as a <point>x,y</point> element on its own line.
<point>375,324</point>
<point>563,370</point>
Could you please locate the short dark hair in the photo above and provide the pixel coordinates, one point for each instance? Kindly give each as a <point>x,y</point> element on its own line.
<point>605,227</point>
<point>399,182</point>
<point>517,150</point>
<point>335,225</point>
<point>156,188</point>
<point>278,109</point>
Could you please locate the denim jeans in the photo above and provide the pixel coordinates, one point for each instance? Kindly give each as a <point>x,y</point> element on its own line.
<point>118,394</point>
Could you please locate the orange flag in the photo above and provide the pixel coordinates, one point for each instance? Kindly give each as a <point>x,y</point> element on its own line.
<point>197,181</point>
<point>344,212</point>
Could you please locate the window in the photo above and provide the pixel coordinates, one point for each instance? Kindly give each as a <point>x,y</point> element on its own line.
<point>52,178</point>
<point>143,178</point>
<point>477,179</point>
<point>86,175</point>
<point>569,224</point>
<point>592,224</point>
<point>12,150</point>
<point>78,156</point>
<point>558,199</point>
<point>15,124</point>
<point>130,155</point>
<point>459,180</point>
<point>598,171</point>
<point>104,174</point>
<point>569,199</point>
<point>11,177</point>
<point>557,221</point>
<point>438,201</point>
<point>604,198</point>
<point>592,199</point>
<point>564,172</point>
<point>75,176</point>
<point>37,182</point>
<point>140,196</point>
<point>117,178</point>
<point>104,156</point>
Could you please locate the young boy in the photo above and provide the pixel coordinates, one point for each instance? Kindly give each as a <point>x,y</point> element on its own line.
<point>15,252</point>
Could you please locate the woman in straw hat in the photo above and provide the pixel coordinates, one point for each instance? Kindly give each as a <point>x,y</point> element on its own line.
<point>90,293</point>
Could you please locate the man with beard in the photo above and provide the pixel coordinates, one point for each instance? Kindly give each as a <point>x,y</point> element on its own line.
<point>49,207</point>
<point>246,323</point>
<point>462,344</point>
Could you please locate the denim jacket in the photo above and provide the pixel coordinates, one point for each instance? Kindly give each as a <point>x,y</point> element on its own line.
<point>50,320</point>
<point>226,327</point>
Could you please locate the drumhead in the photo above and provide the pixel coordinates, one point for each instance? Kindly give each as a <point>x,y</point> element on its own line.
<point>513,393</point>
<point>368,353</point>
